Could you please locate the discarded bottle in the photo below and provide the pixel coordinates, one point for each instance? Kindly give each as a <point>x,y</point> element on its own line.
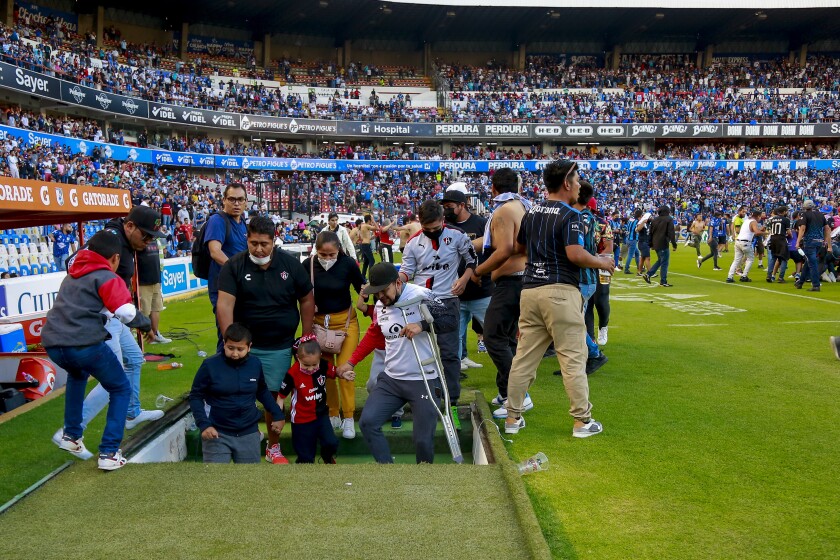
<point>171,365</point>
<point>161,401</point>
<point>202,354</point>
<point>538,462</point>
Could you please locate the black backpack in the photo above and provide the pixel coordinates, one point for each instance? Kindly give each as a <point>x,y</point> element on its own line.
<point>201,252</point>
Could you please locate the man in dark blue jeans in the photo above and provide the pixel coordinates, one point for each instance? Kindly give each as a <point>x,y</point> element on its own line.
<point>661,233</point>
<point>814,234</point>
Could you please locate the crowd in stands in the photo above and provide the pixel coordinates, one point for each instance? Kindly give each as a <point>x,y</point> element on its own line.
<point>663,73</point>
<point>87,129</point>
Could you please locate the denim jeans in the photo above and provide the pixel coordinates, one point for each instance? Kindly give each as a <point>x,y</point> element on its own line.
<point>771,263</point>
<point>632,246</point>
<point>100,362</point>
<point>663,257</point>
<point>812,263</point>
<point>617,253</point>
<point>124,346</point>
<point>474,308</point>
<point>586,292</point>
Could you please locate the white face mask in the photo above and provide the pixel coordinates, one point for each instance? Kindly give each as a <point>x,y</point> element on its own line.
<point>260,261</point>
<point>327,263</point>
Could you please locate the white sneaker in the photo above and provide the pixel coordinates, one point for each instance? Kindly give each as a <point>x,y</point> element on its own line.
<point>144,416</point>
<point>464,367</point>
<point>75,447</point>
<point>498,400</point>
<point>348,428</point>
<point>335,422</point>
<point>111,461</point>
<point>527,405</point>
<point>602,336</point>
<point>514,427</point>
<point>470,364</point>
<point>160,339</point>
<point>591,428</point>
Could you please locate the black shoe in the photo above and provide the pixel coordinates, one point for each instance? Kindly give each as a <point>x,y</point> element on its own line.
<point>627,272</point>
<point>558,372</point>
<point>594,364</point>
<point>550,353</point>
<point>769,280</point>
<point>797,285</point>
<point>717,268</point>
<point>813,289</point>
<point>463,375</point>
<point>730,280</point>
<point>646,278</point>
<point>746,279</point>
<point>666,285</point>
<point>781,280</point>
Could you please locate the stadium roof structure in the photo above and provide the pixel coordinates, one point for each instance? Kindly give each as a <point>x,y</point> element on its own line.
<point>702,21</point>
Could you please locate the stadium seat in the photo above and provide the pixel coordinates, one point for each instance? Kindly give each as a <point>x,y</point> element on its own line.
<point>3,250</point>
<point>53,267</point>
<point>23,250</point>
<point>45,268</point>
<point>14,270</point>
<point>24,270</point>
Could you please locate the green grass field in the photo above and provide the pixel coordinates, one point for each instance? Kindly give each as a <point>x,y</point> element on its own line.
<point>719,406</point>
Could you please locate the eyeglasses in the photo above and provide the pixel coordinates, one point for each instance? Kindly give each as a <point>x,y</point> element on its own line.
<point>147,237</point>
<point>236,200</point>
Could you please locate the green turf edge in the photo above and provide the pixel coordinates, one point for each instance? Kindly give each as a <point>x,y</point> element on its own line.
<point>531,531</point>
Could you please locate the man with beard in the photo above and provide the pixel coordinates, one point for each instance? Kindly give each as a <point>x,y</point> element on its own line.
<point>431,260</point>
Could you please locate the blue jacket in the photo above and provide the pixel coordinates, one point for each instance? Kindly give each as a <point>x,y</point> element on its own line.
<point>231,392</point>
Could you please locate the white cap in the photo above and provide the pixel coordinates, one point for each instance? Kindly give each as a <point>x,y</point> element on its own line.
<point>458,186</point>
<point>646,216</point>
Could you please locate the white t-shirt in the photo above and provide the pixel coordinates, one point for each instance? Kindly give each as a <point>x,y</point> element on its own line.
<point>400,360</point>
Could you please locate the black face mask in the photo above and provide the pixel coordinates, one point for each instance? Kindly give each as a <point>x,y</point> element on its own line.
<point>450,216</point>
<point>433,235</point>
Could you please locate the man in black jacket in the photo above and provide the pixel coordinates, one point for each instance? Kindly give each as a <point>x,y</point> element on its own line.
<point>661,234</point>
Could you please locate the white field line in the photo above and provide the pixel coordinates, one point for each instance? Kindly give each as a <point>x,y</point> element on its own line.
<point>742,285</point>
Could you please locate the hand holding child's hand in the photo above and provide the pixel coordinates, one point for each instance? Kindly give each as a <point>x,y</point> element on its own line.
<point>209,433</point>
<point>344,368</point>
<point>349,375</point>
<point>277,426</point>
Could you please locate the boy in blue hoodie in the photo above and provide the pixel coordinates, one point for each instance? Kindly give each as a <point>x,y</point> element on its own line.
<point>74,337</point>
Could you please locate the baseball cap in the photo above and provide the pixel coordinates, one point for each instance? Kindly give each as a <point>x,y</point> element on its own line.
<point>592,204</point>
<point>455,196</point>
<point>458,186</point>
<point>146,219</point>
<point>809,204</point>
<point>381,275</point>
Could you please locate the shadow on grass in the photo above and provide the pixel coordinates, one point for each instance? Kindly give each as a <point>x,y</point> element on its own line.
<point>552,528</point>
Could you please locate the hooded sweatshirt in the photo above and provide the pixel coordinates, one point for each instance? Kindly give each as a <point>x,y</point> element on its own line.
<point>89,295</point>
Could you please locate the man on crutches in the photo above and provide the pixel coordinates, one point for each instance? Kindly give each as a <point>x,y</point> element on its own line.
<point>430,260</point>
<point>412,368</point>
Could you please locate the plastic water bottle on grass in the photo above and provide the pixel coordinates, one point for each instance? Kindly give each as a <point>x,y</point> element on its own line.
<point>171,365</point>
<point>538,462</point>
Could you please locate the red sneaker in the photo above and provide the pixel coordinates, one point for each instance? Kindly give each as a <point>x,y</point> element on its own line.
<point>274,456</point>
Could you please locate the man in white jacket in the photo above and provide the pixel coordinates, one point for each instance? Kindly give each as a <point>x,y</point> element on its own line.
<point>343,236</point>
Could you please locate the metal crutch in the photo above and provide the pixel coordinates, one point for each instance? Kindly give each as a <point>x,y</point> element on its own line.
<point>446,415</point>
